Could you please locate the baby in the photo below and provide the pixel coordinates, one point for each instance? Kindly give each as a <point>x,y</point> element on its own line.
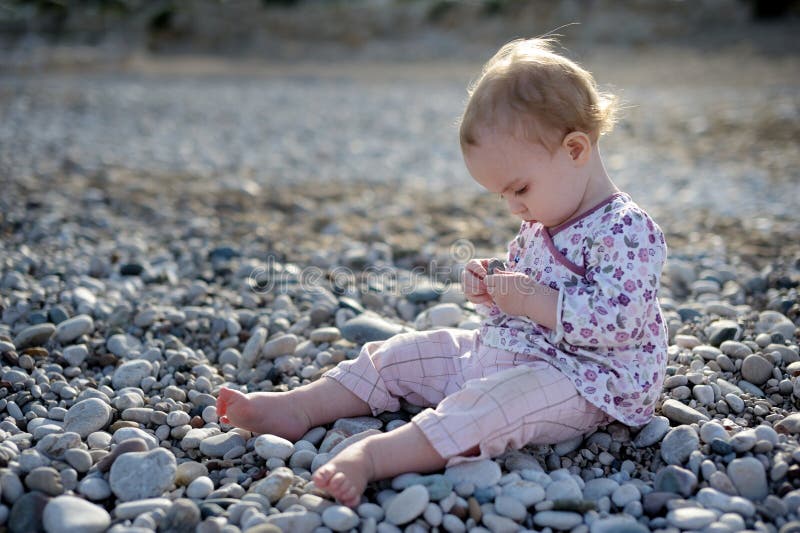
<point>572,336</point>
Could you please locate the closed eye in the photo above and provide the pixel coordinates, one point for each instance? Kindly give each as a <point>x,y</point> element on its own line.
<point>521,191</point>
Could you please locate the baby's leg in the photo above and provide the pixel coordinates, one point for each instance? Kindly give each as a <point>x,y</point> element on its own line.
<point>289,414</point>
<point>401,450</point>
<point>534,403</point>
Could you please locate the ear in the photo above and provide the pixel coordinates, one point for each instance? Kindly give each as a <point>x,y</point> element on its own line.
<point>579,147</point>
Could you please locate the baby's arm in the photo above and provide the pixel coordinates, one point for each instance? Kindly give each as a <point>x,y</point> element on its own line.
<point>517,294</point>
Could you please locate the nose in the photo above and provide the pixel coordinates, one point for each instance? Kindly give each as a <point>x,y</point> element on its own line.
<point>515,207</point>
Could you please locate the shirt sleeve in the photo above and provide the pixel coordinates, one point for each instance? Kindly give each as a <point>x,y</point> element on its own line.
<point>614,304</point>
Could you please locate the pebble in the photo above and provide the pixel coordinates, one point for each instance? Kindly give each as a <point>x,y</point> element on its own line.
<point>283,345</point>
<point>367,328</point>
<point>36,335</point>
<point>675,479</point>
<point>72,328</point>
<point>295,521</point>
<point>691,518</point>
<point>749,477</point>
<point>267,446</point>
<point>200,488</point>
<point>45,479</point>
<point>339,518</point>
<point>27,513</point>
<point>681,413</point>
<point>140,475</point>
<point>68,514</point>
<point>131,373</point>
<point>407,505</point>
<point>652,432</point>
<point>756,369</point>
<point>219,445</point>
<point>87,416</point>
<point>678,444</point>
<point>561,520</point>
<point>483,473</point>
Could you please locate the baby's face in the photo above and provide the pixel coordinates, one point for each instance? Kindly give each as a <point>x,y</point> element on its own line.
<point>536,185</point>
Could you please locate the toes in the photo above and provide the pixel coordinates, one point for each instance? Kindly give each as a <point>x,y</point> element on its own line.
<point>338,483</point>
<point>322,476</point>
<point>222,401</point>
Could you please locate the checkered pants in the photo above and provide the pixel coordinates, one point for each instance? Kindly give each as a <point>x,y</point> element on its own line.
<point>475,394</point>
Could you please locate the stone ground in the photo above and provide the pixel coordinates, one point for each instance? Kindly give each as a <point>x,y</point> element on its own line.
<point>170,226</point>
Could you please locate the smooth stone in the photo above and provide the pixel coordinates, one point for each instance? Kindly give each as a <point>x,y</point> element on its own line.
<point>122,344</point>
<point>126,433</point>
<point>562,520</point>
<point>712,430</point>
<point>36,335</point>
<point>678,444</point>
<point>327,334</point>
<point>510,507</point>
<point>357,424</point>
<point>444,315</point>
<point>722,330</point>
<point>79,459</point>
<point>274,485</point>
<point>675,479</point>
<point>283,345</point>
<point>425,292</point>
<point>253,346</point>
<point>735,402</point>
<point>27,513</point>
<point>527,492</point>
<point>368,327</point>
<point>68,514</point>
<point>72,328</point>
<point>139,475</point>
<point>196,436</point>
<point>182,517</point>
<point>774,322</point>
<point>200,488</point>
<point>594,489</point>
<point>652,432</point>
<point>564,489</point>
<point>131,373</point>
<point>76,354</point>
<point>743,441</point>
<point>407,505</point>
<point>749,477</point>
<point>126,446</point>
<point>295,521</point>
<point>499,524</point>
<point>681,413</point>
<point>735,349</point>
<point>625,494</point>
<point>189,471</point>
<point>483,473</point>
<point>339,518</point>
<point>267,446</point>
<point>617,524</point>
<point>94,488</point>
<point>219,445</point>
<point>568,446</point>
<point>704,394</point>
<point>130,510</point>
<point>756,369</point>
<point>45,479</point>
<point>692,518</point>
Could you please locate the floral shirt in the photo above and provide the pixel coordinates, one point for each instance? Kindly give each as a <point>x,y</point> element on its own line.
<point>610,338</point>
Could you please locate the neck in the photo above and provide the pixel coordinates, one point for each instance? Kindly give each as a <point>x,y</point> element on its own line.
<point>598,186</point>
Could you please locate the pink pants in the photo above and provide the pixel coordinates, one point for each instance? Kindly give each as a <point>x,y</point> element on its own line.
<point>483,396</point>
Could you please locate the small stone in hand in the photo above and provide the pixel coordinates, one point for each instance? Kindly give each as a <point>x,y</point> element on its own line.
<point>494,264</point>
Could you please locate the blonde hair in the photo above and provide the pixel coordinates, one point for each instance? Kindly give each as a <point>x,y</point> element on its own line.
<point>528,90</point>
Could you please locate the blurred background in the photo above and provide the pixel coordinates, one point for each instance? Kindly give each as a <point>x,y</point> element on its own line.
<point>341,115</point>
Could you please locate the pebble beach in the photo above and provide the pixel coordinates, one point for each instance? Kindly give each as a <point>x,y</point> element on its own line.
<point>166,232</point>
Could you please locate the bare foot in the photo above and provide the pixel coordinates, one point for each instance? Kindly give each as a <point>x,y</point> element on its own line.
<point>346,476</point>
<point>264,412</point>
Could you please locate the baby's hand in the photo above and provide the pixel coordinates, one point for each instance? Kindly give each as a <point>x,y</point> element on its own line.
<point>472,281</point>
<point>510,291</point>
